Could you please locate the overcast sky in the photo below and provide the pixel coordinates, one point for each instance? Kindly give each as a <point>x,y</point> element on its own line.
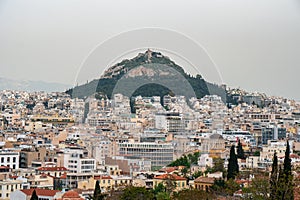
<point>254,43</point>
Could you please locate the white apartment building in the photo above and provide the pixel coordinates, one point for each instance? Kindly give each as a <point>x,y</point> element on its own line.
<point>101,150</point>
<point>8,186</point>
<point>80,166</point>
<point>160,154</point>
<point>9,159</point>
<point>268,151</point>
<point>171,122</point>
<point>77,161</point>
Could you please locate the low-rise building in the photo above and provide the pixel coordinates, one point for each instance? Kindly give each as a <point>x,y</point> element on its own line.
<point>204,183</point>
<point>25,194</point>
<point>178,181</point>
<point>9,159</point>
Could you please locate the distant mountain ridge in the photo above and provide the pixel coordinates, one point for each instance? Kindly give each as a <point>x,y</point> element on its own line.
<point>134,68</point>
<point>31,86</point>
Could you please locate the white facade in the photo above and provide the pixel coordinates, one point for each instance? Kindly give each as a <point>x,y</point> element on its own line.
<point>160,154</point>
<point>9,159</point>
<point>205,161</point>
<point>161,122</point>
<point>7,187</point>
<point>77,161</point>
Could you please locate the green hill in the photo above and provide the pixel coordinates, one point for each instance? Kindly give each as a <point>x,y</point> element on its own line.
<point>162,73</point>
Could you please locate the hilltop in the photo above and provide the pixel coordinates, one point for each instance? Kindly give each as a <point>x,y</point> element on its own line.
<point>161,68</point>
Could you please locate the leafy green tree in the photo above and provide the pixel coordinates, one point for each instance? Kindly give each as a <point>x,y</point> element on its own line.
<point>186,161</point>
<point>193,194</point>
<point>136,193</point>
<point>258,190</point>
<point>240,151</point>
<point>274,178</point>
<point>170,184</point>
<point>231,187</point>
<point>218,165</point>
<point>160,193</point>
<point>34,196</point>
<point>222,187</point>
<point>159,188</point>
<point>194,157</point>
<point>184,171</point>
<point>218,187</point>
<point>197,174</point>
<point>233,167</point>
<point>256,153</point>
<point>182,161</point>
<point>163,196</point>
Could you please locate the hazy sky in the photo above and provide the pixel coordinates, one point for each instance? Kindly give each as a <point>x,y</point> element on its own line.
<point>255,43</point>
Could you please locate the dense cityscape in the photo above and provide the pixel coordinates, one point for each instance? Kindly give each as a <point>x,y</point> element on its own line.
<point>60,147</point>
<point>149,100</point>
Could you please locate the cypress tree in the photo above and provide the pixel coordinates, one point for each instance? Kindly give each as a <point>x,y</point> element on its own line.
<point>285,189</point>
<point>34,196</point>
<point>233,167</point>
<point>274,176</point>
<point>280,185</point>
<point>97,192</point>
<point>287,166</point>
<point>240,150</point>
<point>287,171</point>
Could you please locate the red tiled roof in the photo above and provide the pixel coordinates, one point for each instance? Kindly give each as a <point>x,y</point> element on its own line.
<point>168,169</point>
<point>71,194</point>
<point>106,177</point>
<point>52,169</point>
<point>40,192</point>
<point>294,156</point>
<point>204,180</point>
<point>171,177</point>
<point>64,176</point>
<point>4,167</point>
<point>102,177</point>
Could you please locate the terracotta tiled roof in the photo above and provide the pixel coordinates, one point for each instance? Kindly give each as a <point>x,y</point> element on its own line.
<point>64,176</point>
<point>168,169</point>
<point>242,181</point>
<point>106,177</point>
<point>102,177</point>
<point>13,177</point>
<point>294,156</point>
<point>71,194</point>
<point>40,192</point>
<point>204,180</point>
<point>52,169</point>
<point>171,177</point>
